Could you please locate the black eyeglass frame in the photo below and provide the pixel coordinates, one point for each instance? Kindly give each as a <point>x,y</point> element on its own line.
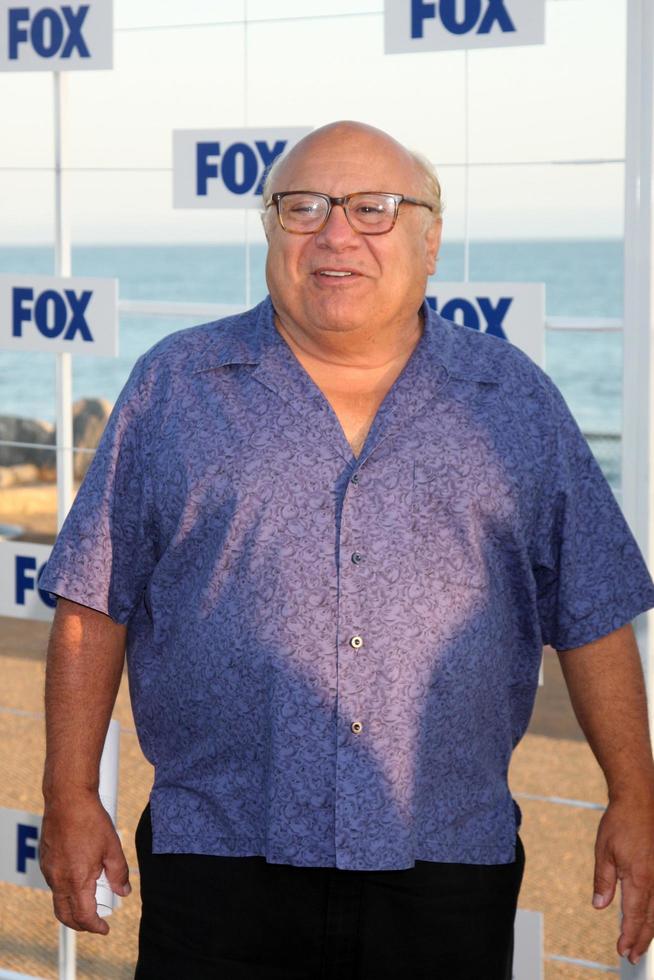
<point>398,199</point>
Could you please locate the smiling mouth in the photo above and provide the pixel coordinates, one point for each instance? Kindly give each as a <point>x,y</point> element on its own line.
<point>336,275</point>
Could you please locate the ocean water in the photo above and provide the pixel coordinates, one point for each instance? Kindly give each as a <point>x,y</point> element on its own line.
<point>583,278</point>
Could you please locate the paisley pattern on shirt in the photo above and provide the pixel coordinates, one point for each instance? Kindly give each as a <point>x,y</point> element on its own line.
<point>226,522</point>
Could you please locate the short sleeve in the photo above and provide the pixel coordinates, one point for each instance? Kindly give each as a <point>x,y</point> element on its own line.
<point>590,575</point>
<point>105,551</point>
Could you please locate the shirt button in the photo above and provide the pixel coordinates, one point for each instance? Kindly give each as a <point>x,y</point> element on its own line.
<point>355,478</point>
<point>357,727</point>
<point>356,557</point>
<point>356,642</point>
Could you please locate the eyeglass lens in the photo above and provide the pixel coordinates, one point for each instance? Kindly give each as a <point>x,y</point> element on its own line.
<point>365,212</point>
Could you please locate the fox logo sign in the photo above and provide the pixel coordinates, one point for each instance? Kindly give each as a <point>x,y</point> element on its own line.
<point>59,314</point>
<point>472,19</point>
<point>50,312</point>
<point>20,835</point>
<point>21,566</point>
<point>26,580</point>
<point>491,314</point>
<point>509,310</point>
<point>420,25</point>
<point>226,168</point>
<point>37,36</point>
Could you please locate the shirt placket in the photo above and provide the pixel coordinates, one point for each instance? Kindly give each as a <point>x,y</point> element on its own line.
<point>354,683</point>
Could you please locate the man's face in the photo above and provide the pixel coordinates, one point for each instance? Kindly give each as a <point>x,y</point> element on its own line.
<point>389,271</point>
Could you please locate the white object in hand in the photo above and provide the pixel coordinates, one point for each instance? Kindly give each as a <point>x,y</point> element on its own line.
<point>105,899</point>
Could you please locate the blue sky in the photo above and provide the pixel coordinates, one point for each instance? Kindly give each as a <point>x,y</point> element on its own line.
<point>307,63</point>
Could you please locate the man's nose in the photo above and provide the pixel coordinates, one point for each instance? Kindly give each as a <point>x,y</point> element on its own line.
<point>337,232</point>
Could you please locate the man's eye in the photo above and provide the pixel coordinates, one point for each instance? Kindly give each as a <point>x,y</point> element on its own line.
<point>304,207</point>
<point>369,208</point>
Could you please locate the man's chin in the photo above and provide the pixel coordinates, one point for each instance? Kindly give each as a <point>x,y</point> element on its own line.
<point>339,312</point>
<point>339,321</point>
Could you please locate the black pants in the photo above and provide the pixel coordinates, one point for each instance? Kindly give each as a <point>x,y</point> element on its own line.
<point>240,918</point>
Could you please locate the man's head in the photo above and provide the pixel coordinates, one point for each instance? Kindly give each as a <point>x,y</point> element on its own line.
<point>387,272</point>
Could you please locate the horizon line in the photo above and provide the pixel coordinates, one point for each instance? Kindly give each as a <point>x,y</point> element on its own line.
<point>241,243</point>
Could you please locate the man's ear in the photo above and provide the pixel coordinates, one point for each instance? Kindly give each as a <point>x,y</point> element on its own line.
<point>433,244</point>
<point>263,215</point>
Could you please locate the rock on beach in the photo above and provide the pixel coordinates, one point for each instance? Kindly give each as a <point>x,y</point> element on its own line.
<point>35,463</point>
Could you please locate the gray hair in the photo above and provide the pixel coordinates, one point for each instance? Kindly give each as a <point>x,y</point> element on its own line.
<point>431,188</point>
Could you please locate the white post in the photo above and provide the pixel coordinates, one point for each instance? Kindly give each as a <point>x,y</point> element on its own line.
<point>108,791</point>
<point>637,398</point>
<point>64,399</point>
<point>466,171</point>
<point>67,953</point>
<point>64,377</point>
<point>246,217</point>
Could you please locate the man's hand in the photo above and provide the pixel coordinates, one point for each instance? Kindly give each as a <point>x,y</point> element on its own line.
<point>78,841</point>
<point>624,851</point>
<point>86,653</point>
<point>607,691</point>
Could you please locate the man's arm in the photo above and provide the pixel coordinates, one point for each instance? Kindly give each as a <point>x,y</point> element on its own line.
<point>86,653</point>
<point>607,690</point>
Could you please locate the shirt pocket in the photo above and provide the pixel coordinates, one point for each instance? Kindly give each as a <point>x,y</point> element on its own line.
<point>446,525</point>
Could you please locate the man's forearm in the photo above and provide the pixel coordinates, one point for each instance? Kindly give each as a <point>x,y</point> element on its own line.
<point>607,691</point>
<point>86,653</point>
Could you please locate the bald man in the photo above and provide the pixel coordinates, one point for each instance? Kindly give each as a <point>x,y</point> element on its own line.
<point>331,535</point>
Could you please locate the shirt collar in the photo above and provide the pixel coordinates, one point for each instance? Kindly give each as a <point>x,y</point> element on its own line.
<point>246,338</point>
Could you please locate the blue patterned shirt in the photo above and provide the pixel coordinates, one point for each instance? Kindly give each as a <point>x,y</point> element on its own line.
<point>331,659</point>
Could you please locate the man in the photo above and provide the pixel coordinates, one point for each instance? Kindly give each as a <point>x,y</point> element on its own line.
<point>333,534</point>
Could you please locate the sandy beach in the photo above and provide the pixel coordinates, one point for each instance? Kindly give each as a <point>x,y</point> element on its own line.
<point>33,507</point>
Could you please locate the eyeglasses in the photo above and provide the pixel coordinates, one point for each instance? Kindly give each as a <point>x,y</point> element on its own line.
<point>367,212</point>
